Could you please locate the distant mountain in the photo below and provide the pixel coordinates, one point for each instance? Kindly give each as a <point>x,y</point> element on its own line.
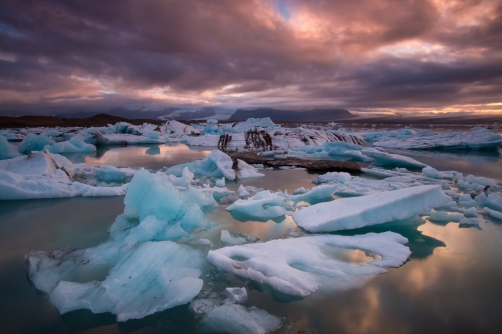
<point>124,113</point>
<point>314,115</point>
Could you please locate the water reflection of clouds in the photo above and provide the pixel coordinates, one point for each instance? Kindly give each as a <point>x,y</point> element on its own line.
<point>153,157</point>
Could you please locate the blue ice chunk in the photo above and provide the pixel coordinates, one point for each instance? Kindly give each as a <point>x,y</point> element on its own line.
<point>6,150</point>
<point>33,142</point>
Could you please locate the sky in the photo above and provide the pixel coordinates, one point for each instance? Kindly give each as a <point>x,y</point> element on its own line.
<point>406,56</point>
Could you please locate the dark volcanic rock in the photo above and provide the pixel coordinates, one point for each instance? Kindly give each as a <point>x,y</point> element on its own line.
<point>312,165</point>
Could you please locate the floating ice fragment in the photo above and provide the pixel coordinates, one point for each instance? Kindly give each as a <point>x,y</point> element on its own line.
<point>240,295</point>
<point>232,239</point>
<point>154,277</point>
<point>431,172</point>
<point>33,142</point>
<point>76,144</point>
<point>300,266</point>
<point>471,212</point>
<point>441,216</point>
<point>113,174</point>
<point>492,213</point>
<point>351,213</point>
<point>263,205</point>
<point>237,319</point>
<point>466,201</point>
<point>6,150</point>
<point>470,221</point>
<point>220,183</point>
<point>217,164</point>
<point>388,159</point>
<point>242,192</point>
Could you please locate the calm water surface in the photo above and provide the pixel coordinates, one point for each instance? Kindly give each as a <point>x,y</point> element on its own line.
<point>452,282</point>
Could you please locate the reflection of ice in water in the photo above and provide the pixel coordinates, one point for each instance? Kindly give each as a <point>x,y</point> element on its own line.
<point>147,156</point>
<point>355,256</point>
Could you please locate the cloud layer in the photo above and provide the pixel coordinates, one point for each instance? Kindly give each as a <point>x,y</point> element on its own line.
<point>402,55</point>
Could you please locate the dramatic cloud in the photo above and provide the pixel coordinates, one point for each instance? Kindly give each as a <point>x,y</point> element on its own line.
<point>401,55</point>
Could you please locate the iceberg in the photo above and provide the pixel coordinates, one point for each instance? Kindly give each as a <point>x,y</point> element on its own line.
<point>33,142</point>
<point>134,287</point>
<point>6,150</point>
<point>300,266</point>
<point>45,175</point>
<point>388,159</point>
<point>217,164</point>
<point>231,239</point>
<point>432,172</point>
<point>356,212</point>
<point>441,216</point>
<point>122,139</point>
<point>263,205</point>
<point>146,271</point>
<point>174,129</point>
<point>76,144</point>
<point>237,319</point>
<point>492,213</point>
<point>113,174</point>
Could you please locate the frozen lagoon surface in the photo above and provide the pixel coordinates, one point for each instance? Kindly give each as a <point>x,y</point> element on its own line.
<point>450,283</point>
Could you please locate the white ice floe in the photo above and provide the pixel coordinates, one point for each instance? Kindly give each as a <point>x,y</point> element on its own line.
<point>492,213</point>
<point>217,164</point>
<point>471,213</point>
<point>176,130</point>
<point>45,175</point>
<point>300,266</point>
<point>388,159</point>
<point>139,270</point>
<point>432,172</point>
<point>121,139</point>
<point>441,216</point>
<point>477,139</point>
<point>33,142</point>
<point>240,295</point>
<point>356,212</point>
<point>492,201</point>
<point>232,239</point>
<point>346,185</point>
<point>113,174</point>
<point>75,144</point>
<point>242,192</point>
<point>6,150</point>
<point>237,319</point>
<point>264,205</point>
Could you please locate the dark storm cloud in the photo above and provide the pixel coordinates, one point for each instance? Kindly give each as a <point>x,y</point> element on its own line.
<point>80,55</point>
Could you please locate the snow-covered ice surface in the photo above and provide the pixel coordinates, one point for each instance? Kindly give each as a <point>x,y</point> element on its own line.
<point>300,266</point>
<point>218,165</point>
<point>45,175</point>
<point>351,213</point>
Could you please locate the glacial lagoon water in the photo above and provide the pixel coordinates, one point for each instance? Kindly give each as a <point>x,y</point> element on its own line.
<point>452,282</point>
